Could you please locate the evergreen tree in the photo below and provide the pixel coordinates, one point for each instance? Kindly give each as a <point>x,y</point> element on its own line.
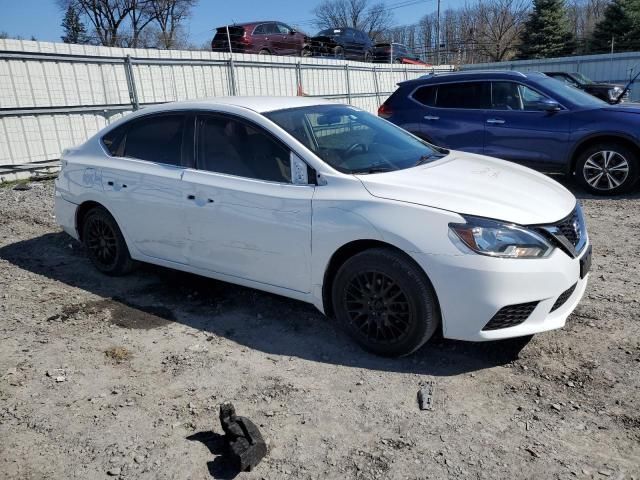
<point>547,32</point>
<point>621,24</point>
<point>74,29</point>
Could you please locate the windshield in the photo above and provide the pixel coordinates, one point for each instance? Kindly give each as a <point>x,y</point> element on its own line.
<point>329,32</point>
<point>566,92</point>
<point>582,78</point>
<point>354,141</point>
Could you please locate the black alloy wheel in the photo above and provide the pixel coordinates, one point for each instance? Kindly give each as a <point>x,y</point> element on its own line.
<point>105,245</point>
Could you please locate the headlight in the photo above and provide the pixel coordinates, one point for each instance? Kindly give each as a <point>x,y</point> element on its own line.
<point>496,239</point>
<point>614,93</point>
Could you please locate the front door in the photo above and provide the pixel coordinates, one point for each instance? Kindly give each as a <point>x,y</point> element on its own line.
<point>520,130</point>
<point>246,218</point>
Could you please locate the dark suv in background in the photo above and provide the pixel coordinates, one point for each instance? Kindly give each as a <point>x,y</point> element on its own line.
<point>265,38</point>
<point>393,53</point>
<point>342,42</point>
<point>609,92</point>
<point>527,118</point>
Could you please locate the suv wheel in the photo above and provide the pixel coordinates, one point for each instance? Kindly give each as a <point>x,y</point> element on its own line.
<point>607,169</point>
<point>264,51</point>
<point>385,302</point>
<point>105,244</point>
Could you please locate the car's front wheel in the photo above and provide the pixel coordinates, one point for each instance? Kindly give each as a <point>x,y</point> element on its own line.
<point>105,244</point>
<point>607,169</point>
<point>385,301</point>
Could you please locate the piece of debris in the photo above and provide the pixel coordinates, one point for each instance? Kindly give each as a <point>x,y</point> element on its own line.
<point>114,472</point>
<point>556,406</point>
<point>118,354</point>
<point>20,187</point>
<point>425,396</point>
<point>244,441</point>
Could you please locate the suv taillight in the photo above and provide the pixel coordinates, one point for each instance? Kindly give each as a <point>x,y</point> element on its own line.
<point>384,110</point>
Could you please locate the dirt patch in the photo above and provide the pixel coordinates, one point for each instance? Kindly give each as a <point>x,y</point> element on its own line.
<point>563,405</point>
<point>118,354</point>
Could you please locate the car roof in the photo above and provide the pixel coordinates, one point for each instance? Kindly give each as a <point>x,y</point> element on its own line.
<point>257,104</point>
<point>472,75</point>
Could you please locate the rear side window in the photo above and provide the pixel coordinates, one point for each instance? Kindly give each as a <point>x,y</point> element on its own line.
<point>472,95</point>
<point>156,139</point>
<point>259,30</point>
<point>426,96</point>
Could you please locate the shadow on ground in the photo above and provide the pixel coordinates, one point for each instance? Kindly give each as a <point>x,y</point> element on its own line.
<point>221,467</point>
<point>152,297</point>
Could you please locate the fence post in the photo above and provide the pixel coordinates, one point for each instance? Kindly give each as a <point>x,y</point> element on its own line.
<point>406,74</point>
<point>232,76</point>
<point>375,83</point>
<point>299,87</point>
<point>346,71</point>
<point>131,83</point>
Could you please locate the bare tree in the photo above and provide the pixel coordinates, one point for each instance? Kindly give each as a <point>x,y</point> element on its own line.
<point>169,15</point>
<point>498,26</point>
<point>141,14</point>
<point>106,16</point>
<point>374,19</point>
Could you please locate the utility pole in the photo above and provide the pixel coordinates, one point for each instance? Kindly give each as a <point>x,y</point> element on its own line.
<point>438,36</point>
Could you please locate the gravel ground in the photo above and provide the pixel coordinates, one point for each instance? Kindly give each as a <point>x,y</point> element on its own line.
<point>122,377</point>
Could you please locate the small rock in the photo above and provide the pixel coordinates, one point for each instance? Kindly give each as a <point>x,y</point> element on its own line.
<point>60,378</point>
<point>114,472</point>
<point>556,406</point>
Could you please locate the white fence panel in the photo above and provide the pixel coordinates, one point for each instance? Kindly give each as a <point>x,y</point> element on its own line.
<point>55,95</point>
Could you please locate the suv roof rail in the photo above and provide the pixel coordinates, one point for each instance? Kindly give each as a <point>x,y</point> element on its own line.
<point>471,72</point>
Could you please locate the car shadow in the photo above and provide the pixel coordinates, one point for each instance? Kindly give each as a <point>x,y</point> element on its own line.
<point>153,296</point>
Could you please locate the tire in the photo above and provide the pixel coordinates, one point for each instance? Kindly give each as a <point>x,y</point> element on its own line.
<point>264,51</point>
<point>416,314</point>
<point>338,52</point>
<point>105,244</point>
<point>594,171</point>
<point>306,52</point>
<point>367,57</point>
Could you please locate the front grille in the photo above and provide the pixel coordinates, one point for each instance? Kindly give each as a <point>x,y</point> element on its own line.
<point>564,296</point>
<point>570,228</point>
<point>510,316</point>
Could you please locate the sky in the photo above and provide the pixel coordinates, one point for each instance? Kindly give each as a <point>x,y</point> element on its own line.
<point>42,18</point>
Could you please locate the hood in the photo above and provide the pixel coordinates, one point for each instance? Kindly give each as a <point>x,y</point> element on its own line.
<point>625,107</point>
<point>476,185</point>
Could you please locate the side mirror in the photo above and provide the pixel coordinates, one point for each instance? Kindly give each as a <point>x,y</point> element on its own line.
<point>548,105</point>
<point>292,32</point>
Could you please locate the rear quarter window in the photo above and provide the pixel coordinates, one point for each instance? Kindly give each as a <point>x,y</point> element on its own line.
<point>425,96</point>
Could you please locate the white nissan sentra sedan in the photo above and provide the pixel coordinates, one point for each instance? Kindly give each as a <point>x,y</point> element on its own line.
<point>328,204</point>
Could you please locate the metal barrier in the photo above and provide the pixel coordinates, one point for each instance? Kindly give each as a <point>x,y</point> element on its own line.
<point>53,95</point>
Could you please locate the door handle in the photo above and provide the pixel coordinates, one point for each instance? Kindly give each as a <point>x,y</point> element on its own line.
<point>431,117</point>
<point>110,183</point>
<point>191,197</point>
<point>495,121</point>
<point>209,200</point>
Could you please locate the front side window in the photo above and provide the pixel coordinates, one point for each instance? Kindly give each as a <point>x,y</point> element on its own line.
<point>270,28</point>
<point>353,141</point>
<point>471,95</point>
<point>157,138</point>
<point>234,147</point>
<point>283,29</point>
<point>515,96</point>
<point>259,30</point>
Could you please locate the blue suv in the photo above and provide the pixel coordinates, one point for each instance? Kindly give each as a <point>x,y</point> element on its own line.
<point>527,118</point>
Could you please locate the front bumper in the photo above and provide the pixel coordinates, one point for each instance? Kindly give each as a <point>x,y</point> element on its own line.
<point>472,288</point>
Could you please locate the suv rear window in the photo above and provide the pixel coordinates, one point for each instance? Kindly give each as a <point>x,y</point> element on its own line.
<point>464,95</point>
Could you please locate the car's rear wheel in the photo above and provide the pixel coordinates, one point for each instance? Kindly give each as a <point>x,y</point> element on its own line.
<point>385,301</point>
<point>607,169</point>
<point>105,244</point>
<point>264,51</point>
<point>306,52</point>
<point>367,57</point>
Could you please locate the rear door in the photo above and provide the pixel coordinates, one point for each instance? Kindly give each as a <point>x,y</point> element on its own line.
<point>517,129</point>
<point>246,217</point>
<point>143,183</point>
<point>453,114</point>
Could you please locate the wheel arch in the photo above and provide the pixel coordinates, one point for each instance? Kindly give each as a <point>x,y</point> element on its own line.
<point>348,250</point>
<point>81,214</point>
<point>601,138</point>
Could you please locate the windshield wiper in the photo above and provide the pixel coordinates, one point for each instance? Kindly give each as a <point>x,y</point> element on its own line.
<point>373,169</point>
<point>427,158</point>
